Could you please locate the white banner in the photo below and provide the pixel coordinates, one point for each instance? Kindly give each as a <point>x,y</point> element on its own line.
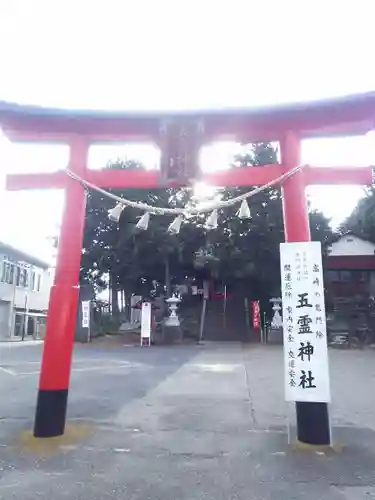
<point>146,320</point>
<point>85,314</point>
<point>304,323</point>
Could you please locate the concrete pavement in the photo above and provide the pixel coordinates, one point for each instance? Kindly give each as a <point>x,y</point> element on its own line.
<point>186,422</point>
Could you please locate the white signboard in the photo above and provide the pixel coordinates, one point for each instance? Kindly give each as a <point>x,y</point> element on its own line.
<point>85,314</point>
<point>146,321</point>
<point>304,323</point>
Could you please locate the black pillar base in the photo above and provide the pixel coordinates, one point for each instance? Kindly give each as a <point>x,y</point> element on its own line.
<point>313,423</point>
<point>50,413</point>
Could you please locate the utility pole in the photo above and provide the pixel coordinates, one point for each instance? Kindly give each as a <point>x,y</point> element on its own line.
<point>25,317</point>
<point>12,302</point>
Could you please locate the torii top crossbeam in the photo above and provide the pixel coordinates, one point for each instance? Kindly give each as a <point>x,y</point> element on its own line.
<point>179,136</point>
<point>352,115</point>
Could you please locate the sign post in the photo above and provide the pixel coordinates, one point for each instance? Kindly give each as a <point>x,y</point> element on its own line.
<point>146,324</point>
<point>304,321</point>
<point>86,318</point>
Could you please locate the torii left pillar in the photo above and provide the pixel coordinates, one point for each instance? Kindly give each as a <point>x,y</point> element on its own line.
<point>62,314</point>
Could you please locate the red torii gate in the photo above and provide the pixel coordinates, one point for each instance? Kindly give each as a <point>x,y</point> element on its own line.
<point>353,115</point>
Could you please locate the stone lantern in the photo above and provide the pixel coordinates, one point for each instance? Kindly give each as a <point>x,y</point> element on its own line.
<point>275,332</point>
<point>173,320</point>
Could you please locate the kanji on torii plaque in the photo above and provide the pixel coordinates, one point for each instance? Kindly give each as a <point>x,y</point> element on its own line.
<point>181,140</point>
<point>286,124</point>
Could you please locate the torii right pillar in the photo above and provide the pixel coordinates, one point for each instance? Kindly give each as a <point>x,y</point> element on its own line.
<point>312,418</point>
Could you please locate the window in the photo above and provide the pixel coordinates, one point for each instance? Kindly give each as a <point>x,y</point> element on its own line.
<point>33,283</point>
<point>333,276</point>
<point>3,272</point>
<point>361,276</point>
<point>7,273</point>
<point>24,281</point>
<point>18,276</point>
<point>18,273</point>
<point>345,276</point>
<point>39,282</point>
<point>11,273</point>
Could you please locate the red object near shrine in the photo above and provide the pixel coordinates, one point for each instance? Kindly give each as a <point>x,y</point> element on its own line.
<point>256,314</point>
<point>179,135</point>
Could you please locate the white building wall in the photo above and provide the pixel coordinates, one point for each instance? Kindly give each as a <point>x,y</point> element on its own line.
<point>34,299</point>
<point>349,245</point>
<point>4,320</point>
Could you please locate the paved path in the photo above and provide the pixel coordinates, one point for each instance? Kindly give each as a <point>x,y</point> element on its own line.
<point>185,422</point>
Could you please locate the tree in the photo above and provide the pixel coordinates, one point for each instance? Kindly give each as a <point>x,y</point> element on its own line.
<point>246,252</point>
<point>156,252</point>
<point>100,240</point>
<point>361,220</point>
<point>243,253</point>
<point>132,258</point>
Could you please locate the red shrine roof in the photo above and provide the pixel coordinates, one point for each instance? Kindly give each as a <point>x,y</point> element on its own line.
<point>348,115</point>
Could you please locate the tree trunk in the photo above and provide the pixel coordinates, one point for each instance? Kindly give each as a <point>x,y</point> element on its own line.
<point>114,294</point>
<point>127,297</point>
<point>122,299</point>
<point>167,277</point>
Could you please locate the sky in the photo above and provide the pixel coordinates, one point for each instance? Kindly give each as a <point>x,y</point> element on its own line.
<point>170,54</point>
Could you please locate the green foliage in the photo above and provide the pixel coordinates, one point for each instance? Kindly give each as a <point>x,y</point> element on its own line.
<point>361,220</point>
<point>133,257</point>
<point>107,325</point>
<point>247,251</point>
<point>240,252</point>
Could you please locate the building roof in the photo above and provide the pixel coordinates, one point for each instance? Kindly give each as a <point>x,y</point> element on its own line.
<point>356,235</point>
<point>24,256</point>
<point>351,245</point>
